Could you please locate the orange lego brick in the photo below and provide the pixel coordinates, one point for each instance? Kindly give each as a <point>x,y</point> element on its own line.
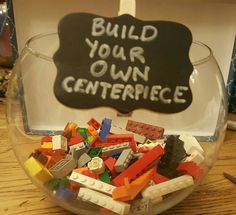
<point>70,126</point>
<point>130,190</point>
<point>87,172</point>
<point>92,131</point>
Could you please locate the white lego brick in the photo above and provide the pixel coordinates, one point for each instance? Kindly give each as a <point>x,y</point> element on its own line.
<point>155,199</point>
<point>139,138</point>
<point>59,142</point>
<point>195,157</point>
<point>104,201</point>
<point>154,143</point>
<point>124,160</point>
<point>191,144</point>
<point>168,187</point>
<point>115,148</point>
<point>96,165</point>
<point>118,130</point>
<point>92,183</point>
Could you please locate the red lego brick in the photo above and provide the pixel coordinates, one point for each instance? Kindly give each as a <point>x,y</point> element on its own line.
<point>73,186</point>
<point>91,174</point>
<point>190,168</point>
<point>46,151</point>
<point>143,149</point>
<point>56,156</point>
<point>46,139</point>
<point>105,211</point>
<point>113,139</point>
<point>102,145</point>
<point>149,131</point>
<point>40,156</point>
<point>119,138</point>
<point>109,163</point>
<point>132,145</point>
<point>137,167</point>
<point>86,171</point>
<point>75,139</point>
<point>94,123</point>
<point>158,178</point>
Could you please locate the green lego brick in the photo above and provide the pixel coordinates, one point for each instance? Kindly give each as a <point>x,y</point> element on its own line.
<point>95,152</point>
<point>105,176</point>
<point>82,132</point>
<point>90,139</point>
<point>58,182</point>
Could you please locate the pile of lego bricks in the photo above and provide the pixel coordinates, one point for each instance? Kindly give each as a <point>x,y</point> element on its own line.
<point>119,170</point>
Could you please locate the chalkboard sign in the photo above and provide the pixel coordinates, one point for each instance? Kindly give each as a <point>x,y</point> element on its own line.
<point>123,63</point>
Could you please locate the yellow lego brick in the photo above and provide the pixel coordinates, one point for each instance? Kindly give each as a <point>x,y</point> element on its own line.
<point>36,169</point>
<point>46,145</point>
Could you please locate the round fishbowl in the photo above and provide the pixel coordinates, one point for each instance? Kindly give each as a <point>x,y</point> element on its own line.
<point>98,159</point>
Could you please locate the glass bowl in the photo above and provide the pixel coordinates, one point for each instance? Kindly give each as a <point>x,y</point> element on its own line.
<point>32,113</point>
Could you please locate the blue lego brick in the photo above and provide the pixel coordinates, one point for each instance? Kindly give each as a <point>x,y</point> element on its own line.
<point>105,129</point>
<point>65,193</point>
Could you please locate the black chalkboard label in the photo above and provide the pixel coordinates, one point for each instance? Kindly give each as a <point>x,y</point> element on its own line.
<point>123,63</point>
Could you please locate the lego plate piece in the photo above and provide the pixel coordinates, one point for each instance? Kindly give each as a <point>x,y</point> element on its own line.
<point>149,131</point>
<point>92,183</point>
<point>104,201</point>
<point>168,187</point>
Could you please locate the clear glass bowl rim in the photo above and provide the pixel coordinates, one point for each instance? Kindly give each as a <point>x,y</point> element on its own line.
<point>48,58</point>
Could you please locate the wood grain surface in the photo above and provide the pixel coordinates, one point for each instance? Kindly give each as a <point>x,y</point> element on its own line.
<point>216,195</point>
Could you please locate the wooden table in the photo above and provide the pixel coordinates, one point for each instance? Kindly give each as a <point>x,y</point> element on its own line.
<point>18,196</point>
